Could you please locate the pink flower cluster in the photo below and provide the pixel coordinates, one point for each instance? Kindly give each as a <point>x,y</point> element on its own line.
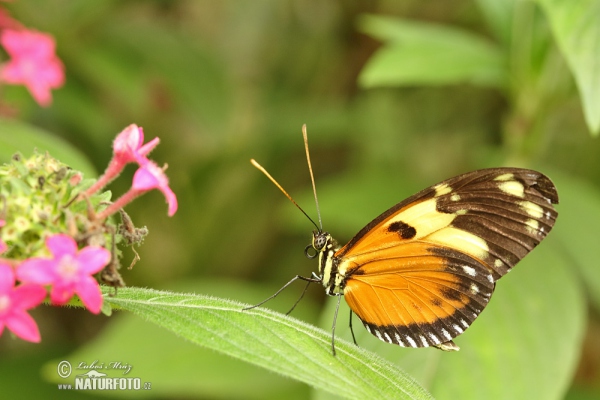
<point>66,272</point>
<point>33,62</point>
<point>129,147</point>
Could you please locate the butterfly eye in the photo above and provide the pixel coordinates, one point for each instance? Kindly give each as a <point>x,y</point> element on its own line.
<point>320,240</point>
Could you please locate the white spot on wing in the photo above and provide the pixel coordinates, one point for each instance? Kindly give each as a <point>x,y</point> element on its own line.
<point>455,197</point>
<point>532,226</point>
<point>464,323</point>
<point>424,341</point>
<point>513,188</point>
<point>387,337</point>
<point>399,340</point>
<point>434,338</point>
<point>411,341</point>
<point>474,288</point>
<point>532,209</point>
<point>457,328</point>
<point>442,189</point>
<point>469,270</point>
<point>504,177</point>
<point>446,334</point>
<point>378,334</point>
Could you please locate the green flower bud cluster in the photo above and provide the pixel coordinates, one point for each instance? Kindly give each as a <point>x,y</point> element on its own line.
<point>39,198</point>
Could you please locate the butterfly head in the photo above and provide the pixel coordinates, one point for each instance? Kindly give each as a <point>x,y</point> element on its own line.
<point>319,240</point>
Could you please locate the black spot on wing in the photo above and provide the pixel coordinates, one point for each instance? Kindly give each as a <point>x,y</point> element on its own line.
<point>403,229</point>
<point>451,294</point>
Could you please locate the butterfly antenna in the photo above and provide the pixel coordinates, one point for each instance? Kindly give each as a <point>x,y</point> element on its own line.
<point>264,171</point>
<point>312,178</point>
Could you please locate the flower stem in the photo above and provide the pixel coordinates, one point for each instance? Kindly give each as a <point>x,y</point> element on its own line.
<point>119,203</point>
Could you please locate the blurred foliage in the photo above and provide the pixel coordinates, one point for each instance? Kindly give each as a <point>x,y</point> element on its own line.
<point>396,95</point>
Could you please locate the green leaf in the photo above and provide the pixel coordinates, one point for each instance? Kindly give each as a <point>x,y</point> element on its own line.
<point>273,341</point>
<point>179,368</point>
<point>499,16</point>
<point>525,344</point>
<point>424,53</point>
<point>577,229</point>
<point>16,137</point>
<point>577,31</point>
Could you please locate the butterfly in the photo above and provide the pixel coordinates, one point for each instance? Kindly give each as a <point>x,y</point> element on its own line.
<point>419,274</point>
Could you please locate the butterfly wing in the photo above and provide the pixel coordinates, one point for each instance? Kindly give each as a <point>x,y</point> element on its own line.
<point>419,274</point>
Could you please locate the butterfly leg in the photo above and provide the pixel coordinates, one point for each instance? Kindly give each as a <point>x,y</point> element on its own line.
<point>300,298</point>
<point>337,308</point>
<point>352,330</point>
<point>309,280</point>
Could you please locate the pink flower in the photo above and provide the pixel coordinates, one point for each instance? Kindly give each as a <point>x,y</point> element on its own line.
<point>69,271</point>
<point>150,176</point>
<point>33,64</point>
<point>128,147</point>
<point>14,301</point>
<point>7,22</point>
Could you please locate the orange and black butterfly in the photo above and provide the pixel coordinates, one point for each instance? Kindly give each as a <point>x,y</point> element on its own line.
<point>419,274</point>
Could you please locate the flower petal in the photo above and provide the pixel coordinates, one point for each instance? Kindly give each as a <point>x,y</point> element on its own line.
<point>89,292</point>
<point>61,244</point>
<point>145,179</point>
<point>61,293</point>
<point>148,147</point>
<point>128,141</point>
<point>33,62</point>
<point>7,22</point>
<point>28,295</point>
<point>7,278</point>
<point>24,326</point>
<point>151,176</point>
<point>92,259</point>
<point>171,200</point>
<point>37,270</point>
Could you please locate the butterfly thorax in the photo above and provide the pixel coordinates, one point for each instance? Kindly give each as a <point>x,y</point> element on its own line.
<point>326,247</point>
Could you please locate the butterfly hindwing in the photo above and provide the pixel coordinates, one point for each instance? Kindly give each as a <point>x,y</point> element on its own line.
<point>420,273</point>
<point>424,297</point>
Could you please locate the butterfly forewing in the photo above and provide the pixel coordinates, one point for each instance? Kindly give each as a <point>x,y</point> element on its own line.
<point>419,274</point>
